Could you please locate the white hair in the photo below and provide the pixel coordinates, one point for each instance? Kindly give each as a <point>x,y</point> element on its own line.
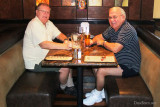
<point>122,10</point>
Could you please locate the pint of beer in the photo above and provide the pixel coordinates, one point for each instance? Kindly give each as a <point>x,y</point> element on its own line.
<point>87,40</point>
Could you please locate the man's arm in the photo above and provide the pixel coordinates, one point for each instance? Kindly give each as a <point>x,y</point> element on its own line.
<point>114,47</point>
<point>54,45</point>
<point>96,39</point>
<point>61,37</point>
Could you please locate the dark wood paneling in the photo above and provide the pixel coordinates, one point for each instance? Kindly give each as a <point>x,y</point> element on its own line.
<point>134,9</point>
<point>147,9</point>
<point>68,28</point>
<point>126,10</point>
<point>98,12</point>
<point>29,8</point>
<point>63,12</point>
<point>96,29</point>
<point>55,2</point>
<point>11,9</point>
<point>81,14</point>
<point>109,3</point>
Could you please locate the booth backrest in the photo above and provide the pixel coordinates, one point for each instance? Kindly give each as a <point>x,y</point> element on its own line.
<point>11,60</point>
<point>10,36</point>
<point>150,65</point>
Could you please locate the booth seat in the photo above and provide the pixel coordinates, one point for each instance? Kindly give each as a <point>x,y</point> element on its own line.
<point>19,87</point>
<point>142,90</point>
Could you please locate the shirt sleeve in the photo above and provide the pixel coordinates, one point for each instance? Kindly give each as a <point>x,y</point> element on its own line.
<point>125,36</point>
<point>105,34</point>
<point>54,31</point>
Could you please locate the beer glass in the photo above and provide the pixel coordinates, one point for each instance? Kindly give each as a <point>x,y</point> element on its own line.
<point>87,39</point>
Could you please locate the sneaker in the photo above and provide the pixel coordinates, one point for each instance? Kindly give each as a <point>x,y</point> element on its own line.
<point>93,98</point>
<point>71,91</point>
<point>89,94</point>
<point>103,94</point>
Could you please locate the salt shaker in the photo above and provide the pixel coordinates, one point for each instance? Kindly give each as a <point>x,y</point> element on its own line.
<point>79,53</point>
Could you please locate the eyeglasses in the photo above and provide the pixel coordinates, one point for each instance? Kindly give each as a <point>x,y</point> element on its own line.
<point>43,11</point>
<point>114,17</point>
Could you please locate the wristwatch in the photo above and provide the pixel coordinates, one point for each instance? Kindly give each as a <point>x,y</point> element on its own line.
<point>104,42</point>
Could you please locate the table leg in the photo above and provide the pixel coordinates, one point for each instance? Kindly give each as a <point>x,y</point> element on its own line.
<point>80,87</point>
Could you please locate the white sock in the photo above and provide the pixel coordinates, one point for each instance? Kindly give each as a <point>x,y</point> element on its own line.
<point>63,86</point>
<point>70,80</point>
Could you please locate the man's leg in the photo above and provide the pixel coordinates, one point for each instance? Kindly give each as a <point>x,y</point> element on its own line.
<point>67,82</point>
<point>64,72</point>
<point>96,95</point>
<point>70,79</point>
<point>102,72</point>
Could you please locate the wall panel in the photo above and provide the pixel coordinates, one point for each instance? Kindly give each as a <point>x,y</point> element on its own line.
<point>109,3</point>
<point>98,12</point>
<point>29,8</point>
<point>11,9</point>
<point>147,9</point>
<point>82,14</point>
<point>55,2</point>
<point>134,9</point>
<point>65,12</point>
<point>95,29</point>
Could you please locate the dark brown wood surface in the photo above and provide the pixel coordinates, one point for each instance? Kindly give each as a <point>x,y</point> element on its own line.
<point>147,9</point>
<point>91,51</point>
<point>64,12</point>
<point>134,9</point>
<point>25,9</point>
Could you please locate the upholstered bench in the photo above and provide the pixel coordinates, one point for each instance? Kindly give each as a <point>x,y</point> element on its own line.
<point>127,92</point>
<point>34,90</point>
<point>19,87</point>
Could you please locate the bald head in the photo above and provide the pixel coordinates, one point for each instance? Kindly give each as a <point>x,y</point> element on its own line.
<point>117,17</point>
<point>118,10</point>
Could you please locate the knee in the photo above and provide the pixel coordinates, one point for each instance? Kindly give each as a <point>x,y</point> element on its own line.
<point>100,72</point>
<point>64,70</point>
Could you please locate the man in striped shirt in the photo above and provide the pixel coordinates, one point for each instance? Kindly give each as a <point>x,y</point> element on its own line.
<point>121,38</point>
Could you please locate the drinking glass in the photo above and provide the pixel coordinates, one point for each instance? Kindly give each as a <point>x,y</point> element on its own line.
<point>87,39</point>
<point>75,41</point>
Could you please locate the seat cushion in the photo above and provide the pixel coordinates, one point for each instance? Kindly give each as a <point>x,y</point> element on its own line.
<point>127,92</point>
<point>34,90</point>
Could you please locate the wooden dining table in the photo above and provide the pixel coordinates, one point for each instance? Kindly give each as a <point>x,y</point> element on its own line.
<point>93,56</point>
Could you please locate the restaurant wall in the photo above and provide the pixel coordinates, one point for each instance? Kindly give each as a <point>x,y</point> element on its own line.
<point>25,9</point>
<point>11,9</point>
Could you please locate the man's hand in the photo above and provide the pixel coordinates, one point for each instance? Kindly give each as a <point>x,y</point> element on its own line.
<point>91,42</point>
<point>100,42</point>
<point>68,44</point>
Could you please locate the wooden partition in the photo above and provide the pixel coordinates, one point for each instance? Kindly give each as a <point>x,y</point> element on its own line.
<point>25,9</point>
